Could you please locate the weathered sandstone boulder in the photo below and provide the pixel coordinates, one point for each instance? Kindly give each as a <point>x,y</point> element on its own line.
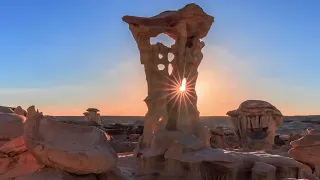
<point>307,150</point>
<point>4,109</point>
<point>262,170</point>
<point>188,158</point>
<point>93,115</point>
<point>17,110</point>
<point>178,155</point>
<point>216,138</point>
<point>16,161</point>
<point>20,111</point>
<point>72,148</point>
<point>255,122</point>
<point>11,126</point>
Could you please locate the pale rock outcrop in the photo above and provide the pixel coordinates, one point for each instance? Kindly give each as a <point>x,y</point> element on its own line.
<point>72,148</point>
<point>18,110</point>
<point>255,122</point>
<point>182,156</point>
<point>4,109</point>
<point>188,158</point>
<point>285,167</point>
<point>92,115</point>
<point>294,136</point>
<point>262,170</point>
<point>216,138</point>
<point>16,161</point>
<point>86,116</point>
<point>11,126</point>
<point>307,150</point>
<point>172,99</point>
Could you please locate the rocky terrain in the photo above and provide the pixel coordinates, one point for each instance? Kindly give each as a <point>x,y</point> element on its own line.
<point>172,142</point>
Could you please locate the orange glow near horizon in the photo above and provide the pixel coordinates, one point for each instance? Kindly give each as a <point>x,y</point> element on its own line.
<point>218,89</point>
<point>122,103</point>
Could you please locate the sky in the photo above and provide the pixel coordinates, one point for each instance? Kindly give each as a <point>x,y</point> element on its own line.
<point>66,56</point>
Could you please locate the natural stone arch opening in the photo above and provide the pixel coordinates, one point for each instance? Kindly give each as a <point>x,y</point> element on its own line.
<point>161,67</point>
<point>170,57</point>
<point>170,69</point>
<point>162,38</point>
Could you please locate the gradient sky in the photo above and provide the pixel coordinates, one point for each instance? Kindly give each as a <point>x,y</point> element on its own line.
<point>64,56</point>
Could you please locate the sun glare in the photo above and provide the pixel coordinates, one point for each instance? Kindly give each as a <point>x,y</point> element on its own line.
<point>183,85</point>
<point>180,91</point>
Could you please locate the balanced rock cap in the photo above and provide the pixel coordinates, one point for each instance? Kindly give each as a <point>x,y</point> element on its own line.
<point>93,110</point>
<point>198,22</point>
<point>255,107</point>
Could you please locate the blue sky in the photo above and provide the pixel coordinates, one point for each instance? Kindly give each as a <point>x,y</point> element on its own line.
<point>64,56</point>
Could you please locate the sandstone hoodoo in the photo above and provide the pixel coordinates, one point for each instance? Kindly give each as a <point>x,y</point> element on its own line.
<point>92,115</point>
<point>255,122</point>
<point>169,108</point>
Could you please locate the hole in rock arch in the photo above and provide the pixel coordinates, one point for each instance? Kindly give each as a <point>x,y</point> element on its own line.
<point>170,69</point>
<point>170,57</point>
<point>162,38</point>
<point>160,56</point>
<point>161,67</point>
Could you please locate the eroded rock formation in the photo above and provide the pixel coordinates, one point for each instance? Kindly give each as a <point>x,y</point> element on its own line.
<point>93,115</point>
<point>255,122</point>
<point>11,126</point>
<point>186,157</point>
<point>216,138</point>
<point>4,109</point>
<point>50,149</point>
<point>86,116</point>
<point>307,150</point>
<point>172,99</point>
<point>16,161</point>
<point>174,145</point>
<point>18,110</point>
<point>75,149</point>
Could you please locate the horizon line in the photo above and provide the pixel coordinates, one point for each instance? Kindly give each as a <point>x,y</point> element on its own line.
<point>200,116</point>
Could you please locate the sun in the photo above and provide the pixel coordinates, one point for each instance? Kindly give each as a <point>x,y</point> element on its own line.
<point>183,85</point>
<point>180,91</point>
<point>180,95</point>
